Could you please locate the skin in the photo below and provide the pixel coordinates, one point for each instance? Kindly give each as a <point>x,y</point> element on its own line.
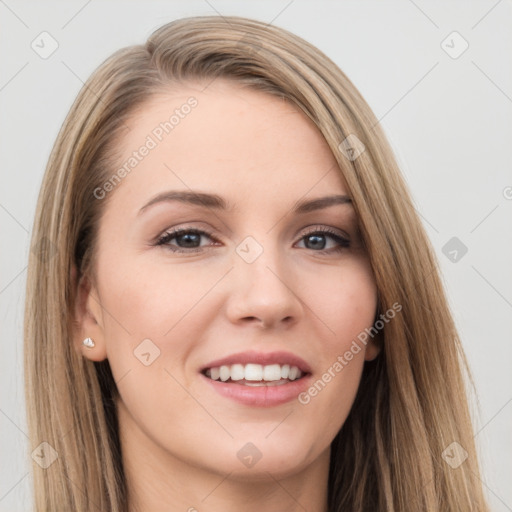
<point>179,437</point>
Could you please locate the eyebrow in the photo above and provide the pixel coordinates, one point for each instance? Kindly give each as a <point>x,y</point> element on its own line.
<point>320,203</point>
<point>218,203</point>
<point>195,198</point>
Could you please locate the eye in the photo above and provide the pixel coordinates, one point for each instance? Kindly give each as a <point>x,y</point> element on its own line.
<point>189,240</point>
<point>184,239</point>
<point>324,240</point>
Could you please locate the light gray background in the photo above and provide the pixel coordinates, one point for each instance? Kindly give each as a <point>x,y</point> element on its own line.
<point>449,121</point>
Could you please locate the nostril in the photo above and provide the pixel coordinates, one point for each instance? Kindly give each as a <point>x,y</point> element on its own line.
<point>268,322</point>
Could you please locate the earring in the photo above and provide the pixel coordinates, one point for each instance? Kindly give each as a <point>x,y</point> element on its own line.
<point>88,343</point>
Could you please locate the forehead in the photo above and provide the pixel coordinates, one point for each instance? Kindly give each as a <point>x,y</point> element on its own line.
<point>227,139</point>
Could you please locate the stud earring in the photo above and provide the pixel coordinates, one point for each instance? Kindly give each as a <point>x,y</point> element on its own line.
<point>88,343</point>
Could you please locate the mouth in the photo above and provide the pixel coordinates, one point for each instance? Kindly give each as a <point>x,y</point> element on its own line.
<point>255,375</point>
<point>258,379</point>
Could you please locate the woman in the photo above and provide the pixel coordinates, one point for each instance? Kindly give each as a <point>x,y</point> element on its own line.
<point>235,305</point>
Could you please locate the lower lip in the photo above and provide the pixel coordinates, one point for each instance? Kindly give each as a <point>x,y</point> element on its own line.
<point>260,396</point>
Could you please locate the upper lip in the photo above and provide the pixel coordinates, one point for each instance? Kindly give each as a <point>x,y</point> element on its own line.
<point>263,358</point>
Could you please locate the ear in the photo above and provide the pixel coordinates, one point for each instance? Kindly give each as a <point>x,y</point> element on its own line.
<point>373,349</point>
<point>375,343</point>
<point>88,318</point>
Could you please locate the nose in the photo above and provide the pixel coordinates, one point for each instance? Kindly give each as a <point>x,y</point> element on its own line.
<point>264,293</point>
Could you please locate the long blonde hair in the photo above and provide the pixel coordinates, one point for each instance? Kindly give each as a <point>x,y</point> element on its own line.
<point>411,404</point>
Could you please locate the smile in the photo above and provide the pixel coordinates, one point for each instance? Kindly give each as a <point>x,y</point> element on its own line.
<point>258,379</point>
<point>255,374</point>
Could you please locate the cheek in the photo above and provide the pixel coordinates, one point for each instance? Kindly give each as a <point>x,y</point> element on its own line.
<point>347,305</point>
<point>345,301</point>
<point>153,318</point>
<point>154,315</point>
<point>151,301</point>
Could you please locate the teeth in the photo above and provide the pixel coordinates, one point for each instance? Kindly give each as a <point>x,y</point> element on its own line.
<point>237,372</point>
<point>293,373</point>
<point>224,373</point>
<point>254,372</point>
<point>272,372</point>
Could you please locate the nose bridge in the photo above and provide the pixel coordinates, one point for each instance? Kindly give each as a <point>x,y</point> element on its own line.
<point>262,288</point>
<point>261,261</point>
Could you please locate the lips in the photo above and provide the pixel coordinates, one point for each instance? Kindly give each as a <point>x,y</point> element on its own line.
<point>258,379</point>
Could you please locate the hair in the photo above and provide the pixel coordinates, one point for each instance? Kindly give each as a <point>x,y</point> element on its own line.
<point>411,403</point>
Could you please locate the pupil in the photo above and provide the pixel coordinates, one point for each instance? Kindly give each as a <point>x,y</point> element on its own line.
<point>315,242</point>
<point>189,240</point>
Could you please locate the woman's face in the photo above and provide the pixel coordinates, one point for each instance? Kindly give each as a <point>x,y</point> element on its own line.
<point>266,278</point>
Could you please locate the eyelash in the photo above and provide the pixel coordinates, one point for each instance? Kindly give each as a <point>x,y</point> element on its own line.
<point>165,238</point>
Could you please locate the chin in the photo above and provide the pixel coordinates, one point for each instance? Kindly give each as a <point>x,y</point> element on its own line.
<point>278,455</point>
<point>277,466</point>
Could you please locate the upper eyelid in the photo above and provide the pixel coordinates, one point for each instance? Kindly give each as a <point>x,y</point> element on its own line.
<point>178,231</point>
<point>171,233</point>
